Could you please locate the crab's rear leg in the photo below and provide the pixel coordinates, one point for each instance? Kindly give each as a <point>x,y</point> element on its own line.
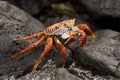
<point>48,46</point>
<point>30,37</point>
<point>86,28</point>
<point>62,49</point>
<point>31,46</point>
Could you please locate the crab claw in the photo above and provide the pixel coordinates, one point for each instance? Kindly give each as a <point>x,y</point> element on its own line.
<point>86,28</point>
<point>83,37</point>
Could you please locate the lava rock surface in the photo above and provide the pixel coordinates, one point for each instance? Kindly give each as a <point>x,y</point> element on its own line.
<point>97,60</point>
<point>99,8</point>
<point>102,56</point>
<point>103,13</point>
<point>14,23</point>
<point>33,7</point>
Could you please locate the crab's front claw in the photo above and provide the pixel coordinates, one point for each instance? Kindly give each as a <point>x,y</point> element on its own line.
<point>83,36</point>
<point>86,28</point>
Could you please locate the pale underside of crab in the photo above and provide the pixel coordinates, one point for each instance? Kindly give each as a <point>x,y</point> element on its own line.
<point>65,30</point>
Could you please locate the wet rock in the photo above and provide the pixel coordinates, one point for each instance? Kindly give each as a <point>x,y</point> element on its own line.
<point>101,56</point>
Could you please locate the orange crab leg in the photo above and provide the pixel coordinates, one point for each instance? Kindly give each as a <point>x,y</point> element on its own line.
<point>31,36</point>
<point>62,50</point>
<point>85,28</point>
<point>31,46</point>
<point>83,37</point>
<point>48,46</point>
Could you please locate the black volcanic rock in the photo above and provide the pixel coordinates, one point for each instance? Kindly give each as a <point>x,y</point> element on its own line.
<point>14,23</point>
<point>101,56</point>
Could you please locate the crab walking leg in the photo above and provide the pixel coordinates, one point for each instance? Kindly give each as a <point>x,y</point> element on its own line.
<point>48,46</point>
<point>86,28</point>
<point>31,46</point>
<point>70,39</point>
<point>83,36</point>
<point>30,37</point>
<point>62,49</point>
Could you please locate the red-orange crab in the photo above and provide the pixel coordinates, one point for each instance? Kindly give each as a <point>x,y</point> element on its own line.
<point>64,30</point>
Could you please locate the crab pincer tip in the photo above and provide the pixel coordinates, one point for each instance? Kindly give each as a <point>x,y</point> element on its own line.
<point>93,37</point>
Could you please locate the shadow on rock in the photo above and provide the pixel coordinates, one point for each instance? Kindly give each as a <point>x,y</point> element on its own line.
<point>100,56</point>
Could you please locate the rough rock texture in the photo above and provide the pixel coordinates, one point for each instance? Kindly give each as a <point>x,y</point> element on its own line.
<point>99,8</point>
<point>88,75</point>
<point>54,74</point>
<point>33,7</point>
<point>102,56</point>
<point>104,13</point>
<point>48,74</point>
<point>14,23</point>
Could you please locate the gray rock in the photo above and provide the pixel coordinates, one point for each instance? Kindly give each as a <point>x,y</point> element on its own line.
<point>63,74</point>
<point>99,8</point>
<point>55,74</point>
<point>47,74</point>
<point>104,13</point>
<point>88,75</point>
<point>7,78</point>
<point>102,56</point>
<point>33,7</point>
<point>15,23</point>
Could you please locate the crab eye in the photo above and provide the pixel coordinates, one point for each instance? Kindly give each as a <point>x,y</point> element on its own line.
<point>65,24</point>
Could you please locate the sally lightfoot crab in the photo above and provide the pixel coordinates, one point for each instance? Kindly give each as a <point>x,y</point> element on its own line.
<point>64,31</point>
